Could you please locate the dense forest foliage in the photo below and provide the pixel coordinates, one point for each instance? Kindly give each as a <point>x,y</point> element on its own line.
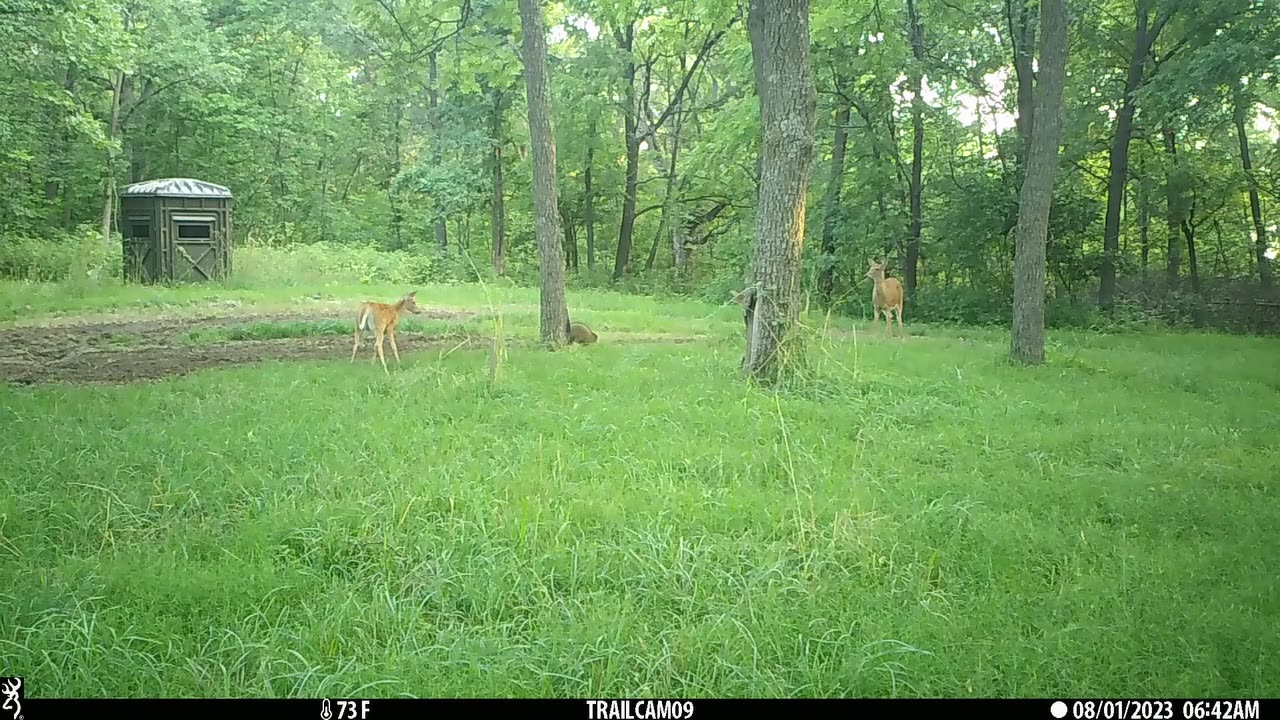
<point>401,125</point>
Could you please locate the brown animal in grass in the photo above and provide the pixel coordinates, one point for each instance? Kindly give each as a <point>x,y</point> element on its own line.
<point>886,296</point>
<point>580,333</point>
<point>381,319</point>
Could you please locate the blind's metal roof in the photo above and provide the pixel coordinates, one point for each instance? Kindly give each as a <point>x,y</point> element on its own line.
<point>175,187</point>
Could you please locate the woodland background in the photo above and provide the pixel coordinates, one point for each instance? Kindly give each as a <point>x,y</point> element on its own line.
<point>387,141</point>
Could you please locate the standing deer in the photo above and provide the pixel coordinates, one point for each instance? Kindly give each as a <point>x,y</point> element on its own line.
<point>381,319</point>
<point>885,296</point>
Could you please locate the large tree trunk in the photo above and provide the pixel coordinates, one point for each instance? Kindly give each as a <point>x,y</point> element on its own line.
<point>917,155</point>
<point>779,32</point>
<point>826,275</point>
<point>1119,161</point>
<point>554,313</point>
<point>589,207</point>
<point>498,215</point>
<point>630,115</point>
<point>1037,188</point>
<point>1173,211</point>
<point>442,229</point>
<point>1242,107</point>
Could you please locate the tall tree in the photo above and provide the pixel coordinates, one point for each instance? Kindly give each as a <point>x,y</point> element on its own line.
<point>915,30</point>
<point>589,206</point>
<point>1174,182</point>
<point>1241,105</point>
<point>826,275</point>
<point>638,124</point>
<point>1027,339</point>
<point>1022,38</point>
<point>779,32</point>
<point>554,313</point>
<point>109,181</point>
<point>433,99</point>
<point>1118,173</point>
<point>497,211</point>
<point>625,37</point>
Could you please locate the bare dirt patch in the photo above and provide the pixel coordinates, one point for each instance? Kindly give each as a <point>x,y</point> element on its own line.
<point>125,351</point>
<point>135,350</point>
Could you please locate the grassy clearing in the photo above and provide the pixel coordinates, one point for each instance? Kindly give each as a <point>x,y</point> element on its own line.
<point>41,302</point>
<point>312,328</point>
<point>23,303</point>
<point>914,518</point>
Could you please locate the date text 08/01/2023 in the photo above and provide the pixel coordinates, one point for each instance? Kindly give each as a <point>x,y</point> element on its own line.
<point>1157,710</point>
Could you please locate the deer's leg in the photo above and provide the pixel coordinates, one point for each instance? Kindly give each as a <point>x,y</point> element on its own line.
<point>394,349</point>
<point>378,346</point>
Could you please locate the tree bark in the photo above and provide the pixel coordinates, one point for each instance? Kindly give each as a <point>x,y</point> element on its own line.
<point>554,313</point>
<point>779,33</point>
<point>498,215</point>
<point>917,156</point>
<point>629,121</point>
<point>826,275</point>
<point>1242,107</point>
<point>1022,34</point>
<point>1119,160</point>
<point>1027,344</point>
<point>109,184</point>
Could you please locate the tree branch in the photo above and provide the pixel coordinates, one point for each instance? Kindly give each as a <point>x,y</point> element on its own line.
<point>437,42</point>
<point>707,45</point>
<point>143,100</point>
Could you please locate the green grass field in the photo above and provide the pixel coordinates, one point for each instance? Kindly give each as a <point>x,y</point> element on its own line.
<point>910,518</point>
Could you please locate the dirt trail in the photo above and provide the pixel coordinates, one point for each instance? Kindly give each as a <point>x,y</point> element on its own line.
<point>131,350</point>
<point>135,350</point>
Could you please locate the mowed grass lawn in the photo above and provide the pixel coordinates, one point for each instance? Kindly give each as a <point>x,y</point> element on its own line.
<point>913,518</point>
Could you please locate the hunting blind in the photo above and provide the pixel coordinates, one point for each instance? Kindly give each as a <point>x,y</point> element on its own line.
<point>175,230</point>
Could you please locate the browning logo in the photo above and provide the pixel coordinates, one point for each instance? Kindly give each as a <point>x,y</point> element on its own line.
<point>11,691</point>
